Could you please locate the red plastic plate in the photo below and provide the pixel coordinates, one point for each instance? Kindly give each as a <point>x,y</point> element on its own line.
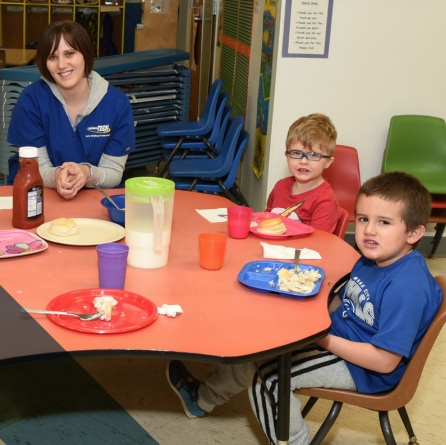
<point>132,312</point>
<point>293,228</point>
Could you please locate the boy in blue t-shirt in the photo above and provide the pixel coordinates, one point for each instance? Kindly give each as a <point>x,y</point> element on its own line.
<point>378,318</point>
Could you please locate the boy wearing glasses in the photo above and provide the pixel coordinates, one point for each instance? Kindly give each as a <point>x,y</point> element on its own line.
<point>306,196</point>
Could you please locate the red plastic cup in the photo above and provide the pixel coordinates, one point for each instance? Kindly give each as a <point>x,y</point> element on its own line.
<point>239,221</point>
<point>112,264</point>
<point>212,248</point>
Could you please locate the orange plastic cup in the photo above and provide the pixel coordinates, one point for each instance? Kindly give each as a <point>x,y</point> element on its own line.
<point>212,248</point>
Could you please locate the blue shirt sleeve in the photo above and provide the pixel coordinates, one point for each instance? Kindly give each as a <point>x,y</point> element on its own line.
<point>26,127</point>
<point>122,141</point>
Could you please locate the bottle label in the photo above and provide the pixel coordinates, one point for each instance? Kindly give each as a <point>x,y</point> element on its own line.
<point>35,201</point>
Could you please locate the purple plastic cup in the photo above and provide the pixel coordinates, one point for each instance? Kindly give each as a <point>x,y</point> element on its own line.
<point>112,264</point>
<point>239,221</point>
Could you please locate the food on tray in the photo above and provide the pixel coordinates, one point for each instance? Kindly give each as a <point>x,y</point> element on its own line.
<point>302,282</point>
<point>63,227</point>
<point>273,226</point>
<point>105,305</point>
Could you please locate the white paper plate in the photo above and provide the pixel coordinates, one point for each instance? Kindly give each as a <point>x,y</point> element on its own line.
<point>91,233</point>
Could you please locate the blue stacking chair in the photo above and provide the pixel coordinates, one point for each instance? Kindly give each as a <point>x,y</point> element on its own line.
<point>192,153</point>
<point>210,183</point>
<point>199,129</point>
<point>196,143</point>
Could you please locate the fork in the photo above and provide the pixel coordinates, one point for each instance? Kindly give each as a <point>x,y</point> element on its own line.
<point>81,316</point>
<point>296,259</point>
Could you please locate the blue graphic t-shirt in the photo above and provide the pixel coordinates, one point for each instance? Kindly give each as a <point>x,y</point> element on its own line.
<point>390,307</point>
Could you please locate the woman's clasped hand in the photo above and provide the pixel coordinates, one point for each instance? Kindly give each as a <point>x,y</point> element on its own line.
<point>70,178</point>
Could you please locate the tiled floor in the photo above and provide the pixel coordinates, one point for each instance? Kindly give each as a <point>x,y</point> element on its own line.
<point>140,386</point>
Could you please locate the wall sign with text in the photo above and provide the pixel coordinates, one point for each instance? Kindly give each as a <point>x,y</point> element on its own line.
<point>307,28</point>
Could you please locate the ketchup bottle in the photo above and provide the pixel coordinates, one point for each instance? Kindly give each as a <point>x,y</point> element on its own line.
<point>27,194</point>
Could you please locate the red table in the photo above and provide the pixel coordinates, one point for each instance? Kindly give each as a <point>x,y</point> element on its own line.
<point>223,321</point>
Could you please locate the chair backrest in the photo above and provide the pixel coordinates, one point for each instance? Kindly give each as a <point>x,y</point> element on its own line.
<point>241,144</point>
<point>417,145</point>
<point>215,132</point>
<point>341,226</point>
<point>225,124</point>
<point>212,168</point>
<point>209,112</point>
<point>408,384</point>
<point>344,177</point>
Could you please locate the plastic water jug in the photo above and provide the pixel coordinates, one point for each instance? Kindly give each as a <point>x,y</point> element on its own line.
<point>148,221</point>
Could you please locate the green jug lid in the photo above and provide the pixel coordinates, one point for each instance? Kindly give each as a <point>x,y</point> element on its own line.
<point>150,186</point>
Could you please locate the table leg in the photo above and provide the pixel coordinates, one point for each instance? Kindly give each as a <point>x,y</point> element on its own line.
<point>283,412</point>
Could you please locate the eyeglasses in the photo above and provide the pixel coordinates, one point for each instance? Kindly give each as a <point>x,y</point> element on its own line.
<point>311,155</point>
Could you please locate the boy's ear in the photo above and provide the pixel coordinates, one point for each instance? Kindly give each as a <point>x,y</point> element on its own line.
<point>329,162</point>
<point>414,235</point>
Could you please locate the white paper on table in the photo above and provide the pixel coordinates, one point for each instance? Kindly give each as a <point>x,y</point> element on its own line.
<point>214,215</point>
<point>287,253</point>
<point>171,310</point>
<point>5,202</point>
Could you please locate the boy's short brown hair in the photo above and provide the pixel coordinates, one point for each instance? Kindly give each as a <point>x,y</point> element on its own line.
<point>74,35</point>
<point>400,186</point>
<point>312,129</point>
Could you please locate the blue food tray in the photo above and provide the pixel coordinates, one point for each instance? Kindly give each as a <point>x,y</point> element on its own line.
<point>254,276</point>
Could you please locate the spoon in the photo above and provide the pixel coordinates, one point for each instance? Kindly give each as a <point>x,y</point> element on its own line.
<point>105,194</point>
<point>296,259</point>
<point>81,316</point>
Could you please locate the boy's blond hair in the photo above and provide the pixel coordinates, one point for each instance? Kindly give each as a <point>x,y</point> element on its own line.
<point>405,188</point>
<point>312,129</point>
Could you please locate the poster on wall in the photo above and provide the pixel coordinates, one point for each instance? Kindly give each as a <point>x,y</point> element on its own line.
<point>269,19</point>
<point>307,28</point>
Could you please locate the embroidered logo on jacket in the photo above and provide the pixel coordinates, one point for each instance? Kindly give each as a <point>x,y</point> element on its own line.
<point>100,129</point>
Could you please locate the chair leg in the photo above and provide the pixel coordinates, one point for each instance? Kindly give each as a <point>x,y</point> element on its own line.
<point>183,156</point>
<point>405,418</point>
<point>194,183</point>
<point>159,163</point>
<point>227,193</point>
<point>310,403</point>
<point>386,428</point>
<point>328,423</point>
<point>439,229</point>
<point>169,159</point>
<point>210,146</point>
<point>234,189</point>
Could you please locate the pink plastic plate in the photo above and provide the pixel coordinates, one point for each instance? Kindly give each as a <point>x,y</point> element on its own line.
<point>20,242</point>
<point>293,228</point>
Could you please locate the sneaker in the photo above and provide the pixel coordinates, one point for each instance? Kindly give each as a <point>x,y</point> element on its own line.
<point>186,387</point>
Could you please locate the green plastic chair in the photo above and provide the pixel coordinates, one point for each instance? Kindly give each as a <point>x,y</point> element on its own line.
<point>417,145</point>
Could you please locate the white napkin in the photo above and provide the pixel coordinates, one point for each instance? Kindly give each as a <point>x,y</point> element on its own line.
<point>287,253</point>
<point>5,202</point>
<point>171,310</point>
<point>212,215</point>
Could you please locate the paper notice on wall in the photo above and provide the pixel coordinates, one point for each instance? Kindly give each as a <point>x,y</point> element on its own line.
<point>307,28</point>
<point>160,6</point>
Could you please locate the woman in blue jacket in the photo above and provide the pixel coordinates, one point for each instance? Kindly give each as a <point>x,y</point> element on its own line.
<point>82,125</point>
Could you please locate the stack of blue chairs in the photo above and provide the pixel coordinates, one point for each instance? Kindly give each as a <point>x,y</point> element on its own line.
<point>218,175</point>
<point>195,134</point>
<point>204,155</point>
